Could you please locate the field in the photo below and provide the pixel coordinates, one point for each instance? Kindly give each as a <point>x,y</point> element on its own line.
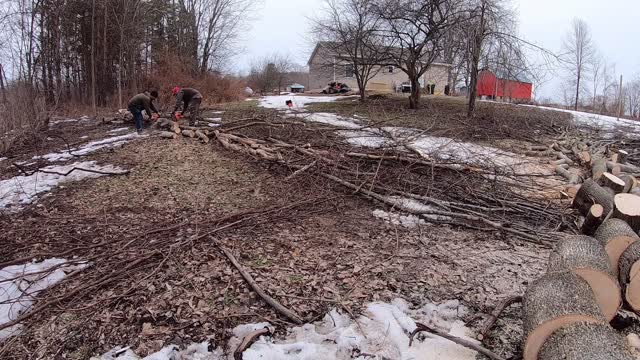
<point>145,238</point>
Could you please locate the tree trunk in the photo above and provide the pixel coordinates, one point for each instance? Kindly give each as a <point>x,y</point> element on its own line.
<point>475,62</point>
<point>587,258</point>
<point>552,302</point>
<point>575,106</point>
<point>93,58</point>
<point>414,99</point>
<point>577,342</point>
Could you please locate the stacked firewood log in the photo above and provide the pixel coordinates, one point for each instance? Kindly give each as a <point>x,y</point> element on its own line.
<point>590,277</point>
<point>172,129</point>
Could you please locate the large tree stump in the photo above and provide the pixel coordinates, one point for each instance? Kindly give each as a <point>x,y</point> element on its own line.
<point>594,218</point>
<point>616,236</point>
<point>612,182</point>
<point>627,207</point>
<point>553,301</point>
<point>629,267</point>
<point>591,193</point>
<point>587,258</point>
<point>586,341</point>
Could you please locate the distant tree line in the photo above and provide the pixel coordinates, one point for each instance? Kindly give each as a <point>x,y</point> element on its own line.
<point>96,51</point>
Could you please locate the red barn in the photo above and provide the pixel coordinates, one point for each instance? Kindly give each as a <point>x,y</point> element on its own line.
<point>503,87</point>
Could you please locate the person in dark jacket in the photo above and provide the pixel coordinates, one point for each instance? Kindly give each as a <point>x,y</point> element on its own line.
<point>143,102</point>
<point>188,97</point>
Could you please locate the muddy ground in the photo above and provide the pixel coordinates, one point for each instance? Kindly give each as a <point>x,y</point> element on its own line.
<point>327,253</point>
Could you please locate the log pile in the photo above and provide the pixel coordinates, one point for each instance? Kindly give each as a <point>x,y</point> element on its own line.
<point>587,273</point>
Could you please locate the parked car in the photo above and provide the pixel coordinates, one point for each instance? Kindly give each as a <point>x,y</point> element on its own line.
<point>336,88</point>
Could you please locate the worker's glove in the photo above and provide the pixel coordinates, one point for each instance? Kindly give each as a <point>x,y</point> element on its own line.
<point>155,117</point>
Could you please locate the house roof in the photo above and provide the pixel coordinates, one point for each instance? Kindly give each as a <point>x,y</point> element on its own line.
<point>334,45</point>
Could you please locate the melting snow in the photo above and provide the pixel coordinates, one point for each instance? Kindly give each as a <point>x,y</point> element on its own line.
<point>119,130</point>
<point>595,120</point>
<point>89,148</point>
<point>20,284</point>
<point>22,190</point>
<point>331,119</point>
<point>408,221</point>
<point>381,333</point>
<point>299,102</point>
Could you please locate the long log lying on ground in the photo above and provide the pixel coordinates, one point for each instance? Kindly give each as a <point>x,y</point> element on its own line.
<point>616,236</point>
<point>629,280</point>
<point>591,193</point>
<point>552,302</point>
<point>594,218</point>
<point>586,257</point>
<point>627,207</point>
<point>631,169</point>
<point>581,341</point>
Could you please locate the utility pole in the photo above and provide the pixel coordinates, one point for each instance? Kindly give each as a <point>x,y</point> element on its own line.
<point>620,99</point>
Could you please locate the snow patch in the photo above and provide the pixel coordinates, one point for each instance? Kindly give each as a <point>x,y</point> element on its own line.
<point>2,159</point>
<point>407,221</point>
<point>89,148</point>
<point>331,119</point>
<point>119,130</point>
<point>20,284</point>
<point>382,332</point>
<point>596,120</point>
<point>299,102</point>
<point>22,190</point>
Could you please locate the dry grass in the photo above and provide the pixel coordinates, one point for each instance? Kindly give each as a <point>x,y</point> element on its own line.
<point>23,115</point>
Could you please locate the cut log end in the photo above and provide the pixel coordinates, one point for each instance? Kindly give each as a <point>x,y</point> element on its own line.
<point>613,182</point>
<point>632,294</point>
<point>553,301</point>
<point>591,193</point>
<point>594,218</point>
<point>537,339</point>
<point>615,248</point>
<point>627,208</point>
<point>586,340</point>
<point>605,289</point>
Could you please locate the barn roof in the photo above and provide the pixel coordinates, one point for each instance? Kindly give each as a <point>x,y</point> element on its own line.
<point>502,75</point>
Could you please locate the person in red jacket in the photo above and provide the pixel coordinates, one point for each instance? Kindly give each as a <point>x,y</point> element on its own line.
<point>188,97</point>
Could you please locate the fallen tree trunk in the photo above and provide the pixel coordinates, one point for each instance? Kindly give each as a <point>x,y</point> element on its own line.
<point>582,341</point>
<point>587,258</point>
<point>616,236</point>
<point>627,208</point>
<point>562,156</point>
<point>629,280</point>
<point>552,302</point>
<point>591,193</point>
<point>594,218</point>
<point>624,167</point>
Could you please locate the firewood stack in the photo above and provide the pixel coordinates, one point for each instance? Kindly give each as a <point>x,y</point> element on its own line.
<point>171,130</point>
<point>590,277</point>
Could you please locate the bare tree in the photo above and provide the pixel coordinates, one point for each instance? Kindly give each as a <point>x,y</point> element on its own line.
<point>632,95</point>
<point>270,73</point>
<point>349,29</point>
<point>579,51</point>
<point>596,77</point>
<point>413,33</point>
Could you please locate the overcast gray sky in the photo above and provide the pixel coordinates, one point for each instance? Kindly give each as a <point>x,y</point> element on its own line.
<point>282,26</point>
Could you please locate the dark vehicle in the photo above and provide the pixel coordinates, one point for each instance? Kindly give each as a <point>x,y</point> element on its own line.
<point>336,88</point>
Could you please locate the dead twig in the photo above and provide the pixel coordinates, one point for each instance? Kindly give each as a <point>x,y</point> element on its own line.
<point>493,318</point>
<point>462,342</point>
<point>248,340</point>
<point>249,279</point>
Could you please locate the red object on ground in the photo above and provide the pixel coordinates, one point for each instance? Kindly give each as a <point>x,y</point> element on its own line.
<point>175,90</point>
<point>491,85</point>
